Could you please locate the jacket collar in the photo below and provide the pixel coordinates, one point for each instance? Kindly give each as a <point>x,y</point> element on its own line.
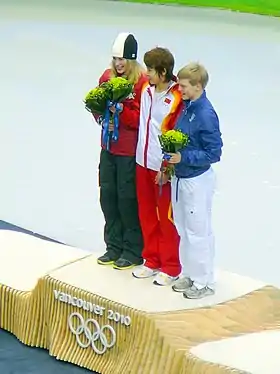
<point>172,86</point>
<point>195,103</point>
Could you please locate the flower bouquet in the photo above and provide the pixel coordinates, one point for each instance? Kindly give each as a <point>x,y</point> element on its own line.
<point>171,141</point>
<point>96,101</point>
<point>100,99</point>
<point>118,88</point>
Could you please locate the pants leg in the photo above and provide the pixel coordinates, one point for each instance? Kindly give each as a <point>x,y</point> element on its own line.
<point>193,212</point>
<point>147,205</point>
<point>109,204</point>
<point>168,236</point>
<point>179,221</point>
<point>128,208</point>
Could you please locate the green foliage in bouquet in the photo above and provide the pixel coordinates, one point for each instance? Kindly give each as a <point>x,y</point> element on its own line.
<point>96,100</point>
<point>118,89</point>
<point>115,91</point>
<point>173,140</point>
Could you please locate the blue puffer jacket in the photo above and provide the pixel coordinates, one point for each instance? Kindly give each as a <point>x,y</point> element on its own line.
<point>200,122</point>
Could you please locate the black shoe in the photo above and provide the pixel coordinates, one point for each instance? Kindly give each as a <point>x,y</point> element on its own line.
<point>123,264</point>
<point>106,259</point>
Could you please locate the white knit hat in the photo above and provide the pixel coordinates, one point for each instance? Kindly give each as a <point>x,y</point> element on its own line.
<point>125,46</point>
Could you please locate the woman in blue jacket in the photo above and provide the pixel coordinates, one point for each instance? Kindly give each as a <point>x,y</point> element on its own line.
<point>194,184</point>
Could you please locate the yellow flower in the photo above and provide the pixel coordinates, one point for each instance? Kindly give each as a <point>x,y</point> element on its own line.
<point>173,140</point>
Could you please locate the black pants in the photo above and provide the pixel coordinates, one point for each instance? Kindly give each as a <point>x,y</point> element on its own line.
<point>122,232</point>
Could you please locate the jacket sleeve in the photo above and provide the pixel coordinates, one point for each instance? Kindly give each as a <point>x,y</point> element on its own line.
<point>130,115</point>
<point>211,143</point>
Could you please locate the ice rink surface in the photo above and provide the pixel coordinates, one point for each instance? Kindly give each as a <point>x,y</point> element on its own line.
<point>52,54</point>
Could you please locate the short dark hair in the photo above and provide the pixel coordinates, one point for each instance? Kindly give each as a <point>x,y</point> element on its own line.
<point>162,60</point>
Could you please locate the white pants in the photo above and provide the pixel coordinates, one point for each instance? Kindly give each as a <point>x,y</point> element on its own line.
<point>192,210</point>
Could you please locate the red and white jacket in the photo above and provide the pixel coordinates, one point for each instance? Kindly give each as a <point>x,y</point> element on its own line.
<point>158,114</point>
<point>128,119</point>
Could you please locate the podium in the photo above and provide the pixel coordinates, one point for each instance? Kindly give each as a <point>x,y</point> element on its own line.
<point>58,298</point>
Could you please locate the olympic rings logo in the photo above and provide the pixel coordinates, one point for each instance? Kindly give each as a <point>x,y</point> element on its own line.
<point>92,337</point>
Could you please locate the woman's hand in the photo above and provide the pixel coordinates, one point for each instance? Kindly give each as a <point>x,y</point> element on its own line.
<point>161,178</point>
<point>111,126</point>
<point>175,158</point>
<point>113,108</point>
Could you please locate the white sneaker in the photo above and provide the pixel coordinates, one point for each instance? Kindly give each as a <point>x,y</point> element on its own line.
<point>182,284</point>
<point>198,293</point>
<point>163,279</point>
<point>142,272</point>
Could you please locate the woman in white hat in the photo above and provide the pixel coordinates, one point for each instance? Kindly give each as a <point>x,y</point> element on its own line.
<point>118,199</point>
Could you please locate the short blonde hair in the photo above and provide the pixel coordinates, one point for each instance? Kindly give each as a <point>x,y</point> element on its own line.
<point>134,68</point>
<point>195,73</point>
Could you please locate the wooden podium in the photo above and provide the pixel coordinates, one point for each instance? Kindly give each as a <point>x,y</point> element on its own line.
<point>56,297</point>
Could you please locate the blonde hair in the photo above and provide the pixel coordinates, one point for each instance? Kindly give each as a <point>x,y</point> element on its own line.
<point>195,73</point>
<point>134,68</point>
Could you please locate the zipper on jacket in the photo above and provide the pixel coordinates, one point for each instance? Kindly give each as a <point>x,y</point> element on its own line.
<point>148,132</point>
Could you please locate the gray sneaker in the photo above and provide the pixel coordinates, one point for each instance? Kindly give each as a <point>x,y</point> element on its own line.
<point>194,293</point>
<point>182,284</point>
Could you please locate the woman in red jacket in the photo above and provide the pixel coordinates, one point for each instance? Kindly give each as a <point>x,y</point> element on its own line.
<point>118,199</point>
